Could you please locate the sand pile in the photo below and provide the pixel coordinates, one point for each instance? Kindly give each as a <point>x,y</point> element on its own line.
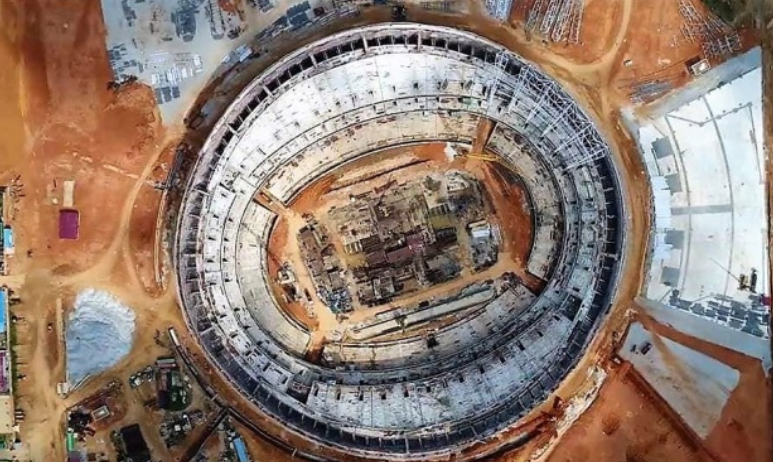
<point>99,333</point>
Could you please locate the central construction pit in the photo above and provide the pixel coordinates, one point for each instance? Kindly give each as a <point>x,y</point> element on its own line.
<point>407,229</point>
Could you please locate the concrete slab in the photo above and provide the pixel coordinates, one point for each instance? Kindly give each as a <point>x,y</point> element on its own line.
<point>662,148</point>
<point>675,238</point>
<point>702,209</point>
<point>674,183</point>
<point>710,331</point>
<point>716,200</point>
<point>695,385</point>
<point>69,191</point>
<point>669,276</point>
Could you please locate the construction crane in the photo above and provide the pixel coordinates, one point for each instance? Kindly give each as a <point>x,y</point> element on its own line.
<point>742,280</point>
<point>487,157</point>
<point>383,189</point>
<point>483,156</point>
<point>262,242</point>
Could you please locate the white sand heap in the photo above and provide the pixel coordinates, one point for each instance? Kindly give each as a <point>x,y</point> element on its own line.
<point>99,333</point>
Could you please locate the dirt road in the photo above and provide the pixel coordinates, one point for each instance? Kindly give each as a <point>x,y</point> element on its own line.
<point>61,122</point>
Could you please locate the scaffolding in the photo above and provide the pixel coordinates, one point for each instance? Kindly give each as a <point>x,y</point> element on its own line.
<point>499,9</point>
<point>576,21</point>
<point>583,148</point>
<point>722,46</point>
<point>500,63</point>
<point>717,38</point>
<point>547,108</point>
<point>445,5</point>
<point>556,20</point>
<point>649,90</point>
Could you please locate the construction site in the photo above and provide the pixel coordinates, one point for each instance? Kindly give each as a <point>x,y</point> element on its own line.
<point>398,239</point>
<point>268,230</point>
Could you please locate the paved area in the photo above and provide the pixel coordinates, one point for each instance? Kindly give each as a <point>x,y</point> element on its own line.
<point>694,384</point>
<point>705,160</point>
<point>708,330</point>
<point>176,46</point>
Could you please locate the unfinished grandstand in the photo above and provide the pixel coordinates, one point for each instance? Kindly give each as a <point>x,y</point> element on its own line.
<point>350,95</point>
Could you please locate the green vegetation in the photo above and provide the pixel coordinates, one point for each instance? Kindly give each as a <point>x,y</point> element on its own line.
<point>725,9</point>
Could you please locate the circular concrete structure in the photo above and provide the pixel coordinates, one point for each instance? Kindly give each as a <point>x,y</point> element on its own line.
<point>345,97</point>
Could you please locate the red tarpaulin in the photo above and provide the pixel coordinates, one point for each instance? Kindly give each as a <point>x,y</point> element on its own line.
<point>69,224</point>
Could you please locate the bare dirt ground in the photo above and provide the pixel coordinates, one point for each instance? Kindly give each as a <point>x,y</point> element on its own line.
<point>513,211</point>
<point>749,407</point>
<point>623,425</point>
<point>651,46</point>
<point>213,447</point>
<point>14,139</point>
<point>99,138</point>
<point>598,32</point>
<point>60,122</point>
<point>278,246</point>
<point>64,123</point>
<point>144,222</point>
<point>628,421</point>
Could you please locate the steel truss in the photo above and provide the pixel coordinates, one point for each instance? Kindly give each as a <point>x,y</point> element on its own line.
<point>554,115</point>
<point>556,20</point>
<point>499,9</point>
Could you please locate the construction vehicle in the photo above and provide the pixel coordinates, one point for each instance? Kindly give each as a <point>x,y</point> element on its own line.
<point>743,283</point>
<point>399,13</point>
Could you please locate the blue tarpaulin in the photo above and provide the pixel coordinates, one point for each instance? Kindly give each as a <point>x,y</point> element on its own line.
<point>8,238</point>
<point>241,450</point>
<point>3,300</point>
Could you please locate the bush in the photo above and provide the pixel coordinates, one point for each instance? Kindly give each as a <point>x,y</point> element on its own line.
<point>725,9</point>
